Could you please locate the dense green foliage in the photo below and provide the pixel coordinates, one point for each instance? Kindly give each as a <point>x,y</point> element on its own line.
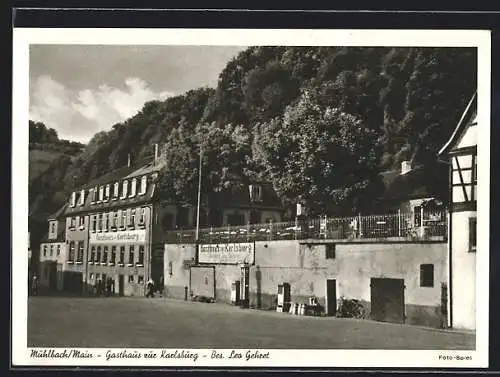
<point>319,123</point>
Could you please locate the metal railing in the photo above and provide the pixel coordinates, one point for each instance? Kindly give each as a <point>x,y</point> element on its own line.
<point>418,225</point>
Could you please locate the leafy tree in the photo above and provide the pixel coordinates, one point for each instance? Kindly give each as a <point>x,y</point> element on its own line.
<point>319,156</point>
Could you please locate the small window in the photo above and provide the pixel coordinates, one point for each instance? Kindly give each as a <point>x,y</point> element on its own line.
<point>91,276</point>
<point>93,221</point>
<point>94,195</point>
<point>122,255</point>
<point>58,250</point>
<point>131,255</point>
<point>140,279</point>
<point>52,227</point>
<point>105,221</point>
<point>472,234</point>
<point>131,222</point>
<point>427,275</point>
<point>71,256</point>
<point>51,250</point>
<point>144,182</point>
<point>97,276</point>
<point>114,224</point>
<point>142,216</point>
<point>105,255</point>
<point>124,219</point>
<point>116,190</point>
<point>80,252</point>
<point>73,199</point>
<point>131,278</point>
<point>107,192</point>
<point>98,255</point>
<point>141,255</point>
<point>330,251</point>
<point>101,194</point>
<point>92,255</point>
<point>133,187</point>
<point>44,250</point>
<point>124,189</point>
<point>113,255</point>
<point>72,224</point>
<point>82,198</point>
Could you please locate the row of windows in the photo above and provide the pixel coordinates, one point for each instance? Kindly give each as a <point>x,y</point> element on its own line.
<point>51,248</point>
<point>111,220</point>
<point>127,189</point>
<point>104,255</point>
<point>118,219</point>
<point>79,249</point>
<point>131,278</point>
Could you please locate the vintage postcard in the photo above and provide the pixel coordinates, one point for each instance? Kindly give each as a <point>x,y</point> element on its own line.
<point>277,198</point>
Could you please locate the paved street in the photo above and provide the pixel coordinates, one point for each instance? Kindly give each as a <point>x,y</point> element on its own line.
<point>155,323</point>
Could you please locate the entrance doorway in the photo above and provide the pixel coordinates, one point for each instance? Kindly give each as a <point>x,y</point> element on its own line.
<point>244,287</point>
<point>121,285</point>
<point>331,297</point>
<point>387,300</point>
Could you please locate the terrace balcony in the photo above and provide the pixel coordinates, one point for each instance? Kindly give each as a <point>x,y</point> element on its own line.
<point>411,227</point>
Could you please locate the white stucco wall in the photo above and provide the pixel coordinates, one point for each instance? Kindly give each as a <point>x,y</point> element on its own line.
<point>463,272</point>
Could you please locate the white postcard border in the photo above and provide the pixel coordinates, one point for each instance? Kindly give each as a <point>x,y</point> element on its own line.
<point>23,37</point>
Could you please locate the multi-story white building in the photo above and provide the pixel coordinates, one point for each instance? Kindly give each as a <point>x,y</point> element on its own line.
<point>461,151</point>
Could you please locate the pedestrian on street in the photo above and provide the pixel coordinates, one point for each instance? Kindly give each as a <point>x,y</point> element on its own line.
<point>34,286</point>
<point>149,288</point>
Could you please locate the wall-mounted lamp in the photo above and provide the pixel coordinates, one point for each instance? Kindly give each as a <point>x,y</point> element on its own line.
<point>265,245</point>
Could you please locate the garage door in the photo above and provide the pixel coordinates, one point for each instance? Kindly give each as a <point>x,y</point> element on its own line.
<point>388,300</point>
<point>202,281</point>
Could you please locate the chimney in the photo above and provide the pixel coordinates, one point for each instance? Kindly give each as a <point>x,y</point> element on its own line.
<point>156,152</point>
<point>405,167</point>
<point>128,160</point>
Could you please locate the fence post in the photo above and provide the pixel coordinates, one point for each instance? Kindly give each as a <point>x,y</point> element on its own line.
<point>422,221</point>
<point>399,222</point>
<point>270,229</point>
<point>360,227</point>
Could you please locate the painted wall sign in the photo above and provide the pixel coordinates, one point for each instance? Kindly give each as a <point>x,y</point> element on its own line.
<point>228,253</point>
<point>130,236</point>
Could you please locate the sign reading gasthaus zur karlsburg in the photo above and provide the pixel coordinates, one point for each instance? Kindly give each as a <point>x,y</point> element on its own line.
<point>130,236</point>
<point>227,253</point>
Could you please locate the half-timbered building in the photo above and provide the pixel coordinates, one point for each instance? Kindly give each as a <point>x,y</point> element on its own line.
<point>461,152</point>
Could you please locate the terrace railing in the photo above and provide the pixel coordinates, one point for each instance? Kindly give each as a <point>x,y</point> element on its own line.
<point>419,225</point>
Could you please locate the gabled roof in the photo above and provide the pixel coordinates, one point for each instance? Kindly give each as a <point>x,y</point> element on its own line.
<point>116,174</point>
<point>468,118</point>
<point>58,213</point>
<point>414,184</point>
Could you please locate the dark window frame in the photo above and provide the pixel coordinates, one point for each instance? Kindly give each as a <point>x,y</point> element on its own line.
<point>427,275</point>
<point>472,234</point>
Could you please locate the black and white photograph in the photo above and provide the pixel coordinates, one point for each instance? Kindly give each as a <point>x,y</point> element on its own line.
<point>251,197</point>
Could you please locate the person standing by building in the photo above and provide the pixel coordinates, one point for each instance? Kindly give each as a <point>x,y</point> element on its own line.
<point>34,286</point>
<point>149,288</point>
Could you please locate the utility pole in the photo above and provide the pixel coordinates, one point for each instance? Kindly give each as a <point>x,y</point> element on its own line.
<point>197,237</point>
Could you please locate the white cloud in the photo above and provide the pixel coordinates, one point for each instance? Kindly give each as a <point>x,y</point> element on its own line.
<point>79,114</point>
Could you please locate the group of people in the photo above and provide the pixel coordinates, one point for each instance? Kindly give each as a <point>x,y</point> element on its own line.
<point>105,287</point>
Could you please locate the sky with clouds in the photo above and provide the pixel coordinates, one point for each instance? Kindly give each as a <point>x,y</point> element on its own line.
<point>79,90</point>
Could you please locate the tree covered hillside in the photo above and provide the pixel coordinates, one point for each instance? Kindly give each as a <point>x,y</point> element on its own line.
<point>319,123</point>
<point>46,147</point>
